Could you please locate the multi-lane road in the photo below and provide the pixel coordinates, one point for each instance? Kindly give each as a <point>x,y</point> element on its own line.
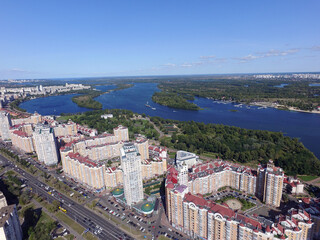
<point>102,228</point>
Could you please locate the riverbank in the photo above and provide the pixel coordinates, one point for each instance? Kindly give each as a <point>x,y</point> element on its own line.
<point>273,105</point>
<point>216,112</point>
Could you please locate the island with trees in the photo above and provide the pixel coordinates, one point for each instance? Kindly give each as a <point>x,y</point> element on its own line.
<point>173,100</point>
<point>283,94</point>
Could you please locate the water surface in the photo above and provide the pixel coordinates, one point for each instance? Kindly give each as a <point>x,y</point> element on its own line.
<point>304,126</point>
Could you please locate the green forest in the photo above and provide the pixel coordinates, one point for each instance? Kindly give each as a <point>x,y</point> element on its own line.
<point>296,93</point>
<point>242,145</point>
<point>124,117</point>
<point>174,100</point>
<point>229,143</point>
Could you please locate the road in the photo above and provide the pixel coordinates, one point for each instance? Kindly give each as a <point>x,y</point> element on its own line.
<point>82,215</point>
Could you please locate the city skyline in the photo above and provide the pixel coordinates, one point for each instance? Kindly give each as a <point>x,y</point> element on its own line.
<point>85,39</point>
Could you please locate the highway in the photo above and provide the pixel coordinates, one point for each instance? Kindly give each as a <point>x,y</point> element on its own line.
<point>88,219</point>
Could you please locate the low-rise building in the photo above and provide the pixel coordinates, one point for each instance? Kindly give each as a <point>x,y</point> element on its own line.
<point>186,157</point>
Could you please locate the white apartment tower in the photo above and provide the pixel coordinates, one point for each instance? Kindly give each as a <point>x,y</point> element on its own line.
<point>45,144</point>
<point>132,174</point>
<point>5,124</point>
<point>183,174</point>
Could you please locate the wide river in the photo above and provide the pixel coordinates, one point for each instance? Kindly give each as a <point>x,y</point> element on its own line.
<point>304,126</point>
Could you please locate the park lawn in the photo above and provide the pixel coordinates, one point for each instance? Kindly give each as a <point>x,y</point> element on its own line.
<point>307,178</point>
<point>210,154</point>
<point>161,237</point>
<point>63,118</point>
<point>67,237</point>
<point>75,226</point>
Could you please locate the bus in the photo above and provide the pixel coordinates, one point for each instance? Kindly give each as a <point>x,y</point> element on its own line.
<point>71,194</point>
<point>62,209</point>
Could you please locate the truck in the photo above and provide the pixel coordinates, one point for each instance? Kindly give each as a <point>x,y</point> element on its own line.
<point>71,194</point>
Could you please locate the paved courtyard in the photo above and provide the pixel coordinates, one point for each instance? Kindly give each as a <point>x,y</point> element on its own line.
<point>234,204</point>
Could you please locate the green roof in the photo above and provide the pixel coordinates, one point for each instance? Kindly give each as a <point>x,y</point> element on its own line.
<point>117,192</point>
<point>147,207</point>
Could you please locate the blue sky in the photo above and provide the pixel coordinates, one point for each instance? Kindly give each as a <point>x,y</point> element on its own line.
<point>83,38</point>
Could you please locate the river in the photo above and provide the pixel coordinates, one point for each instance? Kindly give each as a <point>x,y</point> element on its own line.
<point>304,126</point>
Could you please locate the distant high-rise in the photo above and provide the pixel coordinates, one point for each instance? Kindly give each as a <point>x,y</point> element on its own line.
<point>45,144</point>
<point>5,124</point>
<point>132,174</point>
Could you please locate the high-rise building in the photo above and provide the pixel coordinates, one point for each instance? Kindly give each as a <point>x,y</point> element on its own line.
<point>45,144</point>
<point>5,124</point>
<point>143,147</point>
<point>132,174</point>
<point>270,184</point>
<point>10,228</point>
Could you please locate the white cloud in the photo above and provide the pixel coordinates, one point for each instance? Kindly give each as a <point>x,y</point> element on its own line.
<point>207,57</point>
<point>270,53</point>
<point>186,65</point>
<point>168,65</point>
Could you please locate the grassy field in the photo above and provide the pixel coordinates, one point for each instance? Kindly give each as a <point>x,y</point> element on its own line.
<point>161,237</point>
<point>307,178</point>
<point>75,226</point>
<point>210,155</point>
<point>67,237</point>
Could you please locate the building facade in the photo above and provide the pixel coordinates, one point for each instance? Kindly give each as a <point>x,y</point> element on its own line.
<point>270,184</point>
<point>199,218</point>
<point>5,124</point>
<point>22,140</point>
<point>10,228</point>
<point>132,174</point>
<point>45,144</point>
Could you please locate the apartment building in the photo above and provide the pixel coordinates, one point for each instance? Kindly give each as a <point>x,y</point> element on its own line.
<point>143,147</point>
<point>82,169</point>
<point>22,140</point>
<point>209,177</point>
<point>10,228</point>
<point>33,119</point>
<point>153,167</point>
<point>203,219</point>
<point>45,144</point>
<point>3,201</point>
<point>114,177</point>
<point>312,207</point>
<point>5,124</point>
<point>68,129</point>
<point>132,173</point>
<point>121,133</point>
<point>270,184</point>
